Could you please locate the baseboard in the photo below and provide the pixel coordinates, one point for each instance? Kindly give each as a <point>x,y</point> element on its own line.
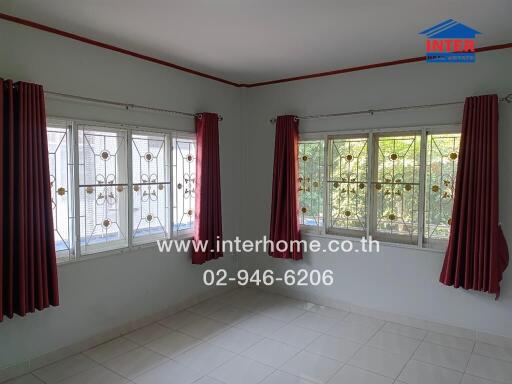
<point>16,370</point>
<point>447,329</point>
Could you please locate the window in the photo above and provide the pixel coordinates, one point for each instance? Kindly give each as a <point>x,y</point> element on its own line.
<point>59,160</point>
<point>311,185</point>
<point>348,184</point>
<point>125,188</point>
<point>395,185</point>
<point>185,183</point>
<point>151,179</point>
<point>441,169</point>
<point>103,185</point>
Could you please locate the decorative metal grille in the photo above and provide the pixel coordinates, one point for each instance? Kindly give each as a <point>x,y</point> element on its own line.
<point>311,182</point>
<point>59,155</point>
<point>441,171</point>
<point>185,183</point>
<point>396,184</point>
<point>347,183</point>
<point>151,183</point>
<point>103,188</point>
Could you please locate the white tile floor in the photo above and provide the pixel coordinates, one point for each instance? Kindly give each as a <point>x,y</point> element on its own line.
<point>250,337</point>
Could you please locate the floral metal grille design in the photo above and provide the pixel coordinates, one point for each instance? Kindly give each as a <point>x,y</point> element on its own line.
<point>311,182</point>
<point>103,187</point>
<point>396,184</point>
<point>347,183</point>
<point>151,183</point>
<point>184,168</point>
<point>441,171</point>
<point>59,155</point>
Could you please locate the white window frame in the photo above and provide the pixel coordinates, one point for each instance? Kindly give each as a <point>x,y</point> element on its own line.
<point>340,231</point>
<point>168,135</point>
<point>66,255</point>
<point>439,244</point>
<point>317,229</point>
<point>420,241</point>
<point>372,208</point>
<point>73,124</point>
<point>116,244</point>
<point>187,233</point>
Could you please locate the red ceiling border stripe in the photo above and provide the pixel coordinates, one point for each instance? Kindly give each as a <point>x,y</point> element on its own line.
<point>97,43</point>
<point>365,67</point>
<point>114,48</point>
<point>337,71</point>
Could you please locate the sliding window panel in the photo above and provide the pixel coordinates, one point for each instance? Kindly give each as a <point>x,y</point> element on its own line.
<point>441,171</point>
<point>396,187</point>
<point>151,182</point>
<point>103,188</point>
<point>61,170</point>
<point>184,177</point>
<point>311,184</point>
<point>347,183</point>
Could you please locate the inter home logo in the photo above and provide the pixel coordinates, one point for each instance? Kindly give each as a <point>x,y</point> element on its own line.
<point>450,42</point>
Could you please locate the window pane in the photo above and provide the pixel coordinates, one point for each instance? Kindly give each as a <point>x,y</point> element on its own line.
<point>103,188</point>
<point>441,170</point>
<point>396,185</point>
<point>60,171</point>
<point>151,183</point>
<point>311,182</point>
<point>184,183</point>
<point>347,183</point>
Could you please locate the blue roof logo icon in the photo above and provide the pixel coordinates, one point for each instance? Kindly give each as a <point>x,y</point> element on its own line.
<point>450,42</point>
<point>450,29</point>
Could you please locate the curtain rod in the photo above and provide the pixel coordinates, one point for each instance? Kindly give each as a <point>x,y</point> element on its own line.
<point>507,99</point>
<point>128,106</point>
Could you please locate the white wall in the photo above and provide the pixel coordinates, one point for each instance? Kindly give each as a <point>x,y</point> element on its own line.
<point>396,280</point>
<point>97,295</point>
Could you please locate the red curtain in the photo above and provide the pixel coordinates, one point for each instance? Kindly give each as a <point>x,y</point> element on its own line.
<point>208,215</point>
<point>477,251</point>
<point>28,267</point>
<point>284,223</point>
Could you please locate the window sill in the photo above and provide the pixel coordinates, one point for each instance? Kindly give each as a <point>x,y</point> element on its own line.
<point>120,251</point>
<point>311,234</point>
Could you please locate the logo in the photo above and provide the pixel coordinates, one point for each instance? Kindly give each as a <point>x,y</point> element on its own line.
<point>450,42</point>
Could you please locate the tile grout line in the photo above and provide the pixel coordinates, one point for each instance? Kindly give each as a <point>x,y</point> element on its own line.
<point>410,358</point>
<point>299,350</point>
<point>297,353</point>
<point>467,363</point>
<point>369,346</point>
<point>361,346</point>
<point>121,375</point>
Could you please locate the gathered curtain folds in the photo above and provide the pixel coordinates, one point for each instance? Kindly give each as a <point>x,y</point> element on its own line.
<point>208,212</point>
<point>284,222</point>
<point>477,253</point>
<point>28,266</point>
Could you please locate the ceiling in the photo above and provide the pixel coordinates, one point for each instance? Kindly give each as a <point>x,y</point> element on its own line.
<point>249,41</point>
